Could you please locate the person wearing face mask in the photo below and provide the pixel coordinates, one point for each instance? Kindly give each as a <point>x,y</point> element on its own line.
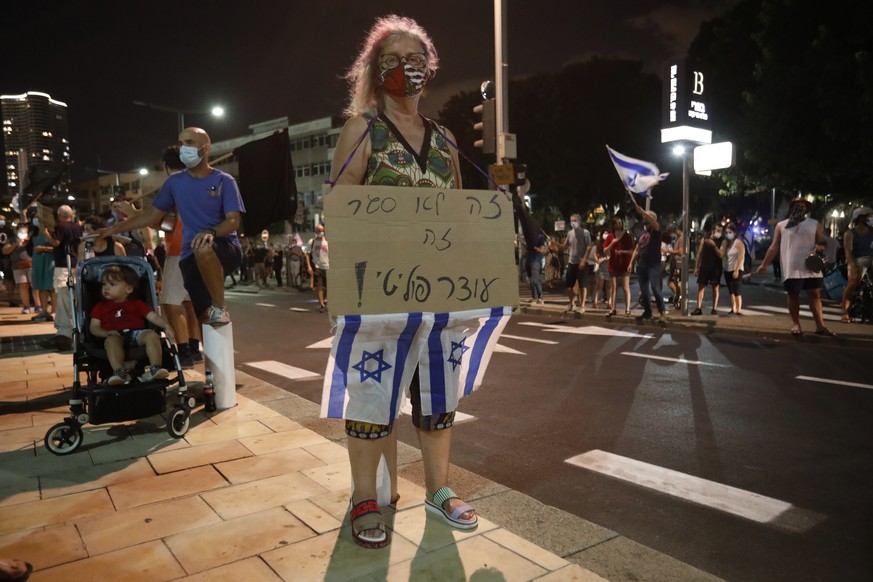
<point>317,264</point>
<point>578,242</point>
<point>795,239</point>
<point>387,142</point>
<point>648,250</point>
<point>858,246</point>
<point>708,268</point>
<point>734,252</point>
<point>619,244</point>
<point>209,204</point>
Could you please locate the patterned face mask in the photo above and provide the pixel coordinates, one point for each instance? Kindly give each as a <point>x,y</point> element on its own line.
<point>404,80</point>
<point>797,215</point>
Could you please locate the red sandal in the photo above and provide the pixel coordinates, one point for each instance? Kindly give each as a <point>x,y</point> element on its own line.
<point>366,516</point>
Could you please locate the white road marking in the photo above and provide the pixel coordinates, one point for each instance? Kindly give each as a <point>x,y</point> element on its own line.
<point>501,349</point>
<point>528,339</point>
<point>732,500</point>
<point>838,382</point>
<point>585,330</point>
<point>753,311</point>
<point>265,304</point>
<point>300,309</point>
<point>323,344</point>
<point>284,370</point>
<point>676,360</point>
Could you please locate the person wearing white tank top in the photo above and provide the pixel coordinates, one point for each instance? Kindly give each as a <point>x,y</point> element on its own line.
<point>796,238</point>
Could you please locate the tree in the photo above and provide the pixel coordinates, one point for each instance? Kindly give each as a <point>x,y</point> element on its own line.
<point>798,94</point>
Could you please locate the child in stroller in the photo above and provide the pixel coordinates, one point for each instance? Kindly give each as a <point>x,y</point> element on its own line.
<point>122,321</point>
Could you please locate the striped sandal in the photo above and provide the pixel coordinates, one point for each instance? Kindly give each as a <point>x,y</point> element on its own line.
<point>434,503</point>
<point>366,516</point>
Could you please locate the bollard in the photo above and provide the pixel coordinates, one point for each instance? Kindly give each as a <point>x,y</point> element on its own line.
<point>218,348</point>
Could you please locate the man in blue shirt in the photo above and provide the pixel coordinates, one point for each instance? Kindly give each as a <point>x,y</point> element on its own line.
<point>210,207</point>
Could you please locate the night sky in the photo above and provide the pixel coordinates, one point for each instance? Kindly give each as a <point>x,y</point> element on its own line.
<point>265,59</point>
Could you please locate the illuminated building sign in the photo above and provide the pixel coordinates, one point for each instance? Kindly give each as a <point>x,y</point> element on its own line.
<point>685,112</point>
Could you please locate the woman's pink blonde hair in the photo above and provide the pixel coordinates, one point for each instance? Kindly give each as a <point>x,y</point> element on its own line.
<point>363,75</point>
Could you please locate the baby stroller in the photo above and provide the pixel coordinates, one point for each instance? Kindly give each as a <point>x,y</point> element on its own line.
<point>96,402</point>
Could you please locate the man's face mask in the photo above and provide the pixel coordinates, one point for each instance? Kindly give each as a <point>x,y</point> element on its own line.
<point>189,156</point>
<point>407,80</point>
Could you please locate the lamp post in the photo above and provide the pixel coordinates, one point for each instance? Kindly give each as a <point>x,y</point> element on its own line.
<point>216,111</point>
<point>683,152</point>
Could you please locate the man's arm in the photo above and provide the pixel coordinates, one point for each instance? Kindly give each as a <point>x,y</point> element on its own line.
<point>771,252</point>
<point>141,220</point>
<point>228,225</point>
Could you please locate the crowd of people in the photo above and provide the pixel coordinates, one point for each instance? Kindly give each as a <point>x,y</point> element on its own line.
<point>598,265</point>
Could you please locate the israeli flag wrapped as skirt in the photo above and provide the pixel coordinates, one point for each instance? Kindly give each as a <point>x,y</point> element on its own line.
<point>373,358</point>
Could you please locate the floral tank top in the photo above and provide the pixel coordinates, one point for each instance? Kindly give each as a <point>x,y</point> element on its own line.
<point>393,162</point>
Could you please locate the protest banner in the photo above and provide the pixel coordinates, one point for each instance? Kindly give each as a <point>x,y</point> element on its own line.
<point>402,250</point>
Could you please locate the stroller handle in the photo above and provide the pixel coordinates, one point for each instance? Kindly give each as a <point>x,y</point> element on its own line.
<point>94,236</point>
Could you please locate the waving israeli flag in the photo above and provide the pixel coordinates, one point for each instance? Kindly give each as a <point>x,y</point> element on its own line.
<point>638,176</point>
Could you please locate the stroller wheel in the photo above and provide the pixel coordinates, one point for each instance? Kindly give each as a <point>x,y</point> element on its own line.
<point>177,422</point>
<point>63,438</point>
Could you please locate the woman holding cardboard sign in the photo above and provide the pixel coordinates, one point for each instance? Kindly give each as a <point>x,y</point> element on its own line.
<point>387,142</point>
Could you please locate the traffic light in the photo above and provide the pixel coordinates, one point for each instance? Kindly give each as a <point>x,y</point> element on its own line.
<point>486,125</point>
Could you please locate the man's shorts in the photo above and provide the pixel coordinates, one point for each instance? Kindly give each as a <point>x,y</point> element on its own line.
<point>21,275</point>
<point>173,288</point>
<point>795,286</point>
<point>319,278</point>
<point>230,256</point>
<point>712,277</point>
<point>575,274</point>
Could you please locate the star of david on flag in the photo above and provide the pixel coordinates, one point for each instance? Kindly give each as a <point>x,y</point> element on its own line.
<point>458,349</point>
<point>638,176</point>
<point>381,366</point>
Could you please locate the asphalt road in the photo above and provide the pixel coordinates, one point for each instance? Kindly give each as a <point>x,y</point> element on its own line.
<point>750,472</point>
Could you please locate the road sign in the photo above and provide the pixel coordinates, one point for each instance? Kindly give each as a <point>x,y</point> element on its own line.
<point>503,174</point>
<point>265,235</point>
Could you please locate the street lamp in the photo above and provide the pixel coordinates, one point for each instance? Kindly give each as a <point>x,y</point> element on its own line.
<point>216,111</point>
<point>681,151</point>
<point>143,172</point>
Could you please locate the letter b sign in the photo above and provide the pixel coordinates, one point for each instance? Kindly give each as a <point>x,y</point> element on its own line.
<point>698,83</point>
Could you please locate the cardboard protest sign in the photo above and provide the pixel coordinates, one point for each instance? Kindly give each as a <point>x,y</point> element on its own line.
<point>402,250</point>
<point>46,215</point>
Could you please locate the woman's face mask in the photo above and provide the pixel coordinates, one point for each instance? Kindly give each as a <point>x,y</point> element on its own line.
<point>404,76</point>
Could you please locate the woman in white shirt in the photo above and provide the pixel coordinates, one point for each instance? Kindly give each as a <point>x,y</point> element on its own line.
<point>735,253</point>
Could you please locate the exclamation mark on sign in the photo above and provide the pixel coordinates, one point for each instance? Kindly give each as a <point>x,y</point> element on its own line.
<point>360,269</point>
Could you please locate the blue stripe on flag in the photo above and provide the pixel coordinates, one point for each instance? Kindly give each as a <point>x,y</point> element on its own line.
<point>437,364</point>
<point>403,345</point>
<point>482,339</point>
<point>339,379</point>
<point>642,170</point>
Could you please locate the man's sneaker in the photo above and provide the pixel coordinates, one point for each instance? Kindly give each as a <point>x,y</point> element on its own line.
<point>43,317</point>
<point>119,377</point>
<point>186,361</point>
<point>25,310</point>
<point>697,311</point>
<point>153,373</point>
<point>37,309</point>
<point>218,316</point>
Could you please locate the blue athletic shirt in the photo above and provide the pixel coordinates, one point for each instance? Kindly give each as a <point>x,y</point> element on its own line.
<point>201,203</point>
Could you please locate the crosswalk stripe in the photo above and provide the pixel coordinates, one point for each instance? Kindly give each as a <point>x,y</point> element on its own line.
<point>837,382</point>
<point>803,312</point>
<point>265,304</point>
<point>585,330</point>
<point>528,339</point>
<point>675,360</point>
<point>300,309</point>
<point>283,370</point>
<point>460,417</point>
<point>733,500</point>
